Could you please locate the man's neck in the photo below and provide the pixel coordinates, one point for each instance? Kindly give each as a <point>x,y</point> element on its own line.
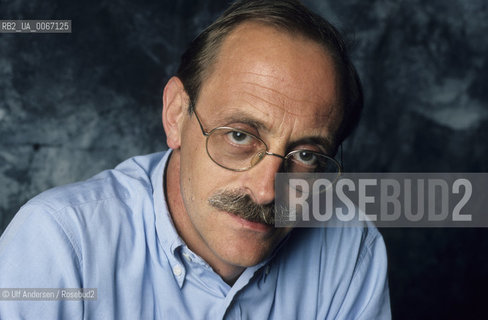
<point>185,227</point>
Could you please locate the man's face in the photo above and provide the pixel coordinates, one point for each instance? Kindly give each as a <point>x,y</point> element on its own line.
<point>279,87</point>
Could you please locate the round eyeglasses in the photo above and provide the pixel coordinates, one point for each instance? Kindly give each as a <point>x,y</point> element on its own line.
<point>239,150</point>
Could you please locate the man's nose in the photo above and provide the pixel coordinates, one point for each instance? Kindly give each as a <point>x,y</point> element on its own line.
<point>261,181</point>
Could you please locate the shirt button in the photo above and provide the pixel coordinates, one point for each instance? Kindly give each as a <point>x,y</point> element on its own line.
<point>177,270</point>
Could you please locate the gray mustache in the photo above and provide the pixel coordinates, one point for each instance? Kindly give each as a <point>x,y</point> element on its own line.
<point>243,206</point>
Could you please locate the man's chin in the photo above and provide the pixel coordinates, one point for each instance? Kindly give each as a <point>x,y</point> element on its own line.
<point>246,256</point>
<point>246,245</point>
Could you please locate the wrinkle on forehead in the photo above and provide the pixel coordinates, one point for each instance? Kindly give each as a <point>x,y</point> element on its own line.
<point>285,100</point>
<point>280,102</point>
<point>327,110</point>
<point>265,77</point>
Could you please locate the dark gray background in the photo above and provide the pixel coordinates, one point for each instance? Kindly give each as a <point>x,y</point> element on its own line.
<point>74,104</point>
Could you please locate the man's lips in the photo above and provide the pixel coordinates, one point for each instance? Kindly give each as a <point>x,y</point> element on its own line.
<point>255,226</point>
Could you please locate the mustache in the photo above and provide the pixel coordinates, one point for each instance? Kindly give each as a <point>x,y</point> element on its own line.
<point>241,205</point>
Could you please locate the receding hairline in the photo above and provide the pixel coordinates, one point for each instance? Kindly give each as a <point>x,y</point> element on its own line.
<point>215,50</point>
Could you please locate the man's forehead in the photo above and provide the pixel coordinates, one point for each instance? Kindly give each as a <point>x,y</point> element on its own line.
<point>277,68</point>
<point>271,79</point>
<point>288,93</point>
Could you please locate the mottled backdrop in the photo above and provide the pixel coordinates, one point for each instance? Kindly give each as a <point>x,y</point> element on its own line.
<point>74,104</point>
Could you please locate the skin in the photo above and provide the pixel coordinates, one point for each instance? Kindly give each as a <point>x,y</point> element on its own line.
<point>282,84</point>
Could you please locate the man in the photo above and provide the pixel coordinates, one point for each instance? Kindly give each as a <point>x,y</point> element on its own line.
<point>186,234</point>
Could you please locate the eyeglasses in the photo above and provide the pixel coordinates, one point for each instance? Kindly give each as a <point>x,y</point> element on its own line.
<point>239,150</point>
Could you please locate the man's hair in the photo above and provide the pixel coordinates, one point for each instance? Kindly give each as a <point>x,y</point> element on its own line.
<point>286,15</point>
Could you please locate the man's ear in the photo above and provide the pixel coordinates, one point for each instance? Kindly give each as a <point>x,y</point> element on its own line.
<point>175,105</point>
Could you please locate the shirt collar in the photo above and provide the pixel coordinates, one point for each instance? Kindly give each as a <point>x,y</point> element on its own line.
<point>167,234</point>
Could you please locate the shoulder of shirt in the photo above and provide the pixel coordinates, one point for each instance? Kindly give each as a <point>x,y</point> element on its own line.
<point>74,209</point>
<point>130,178</point>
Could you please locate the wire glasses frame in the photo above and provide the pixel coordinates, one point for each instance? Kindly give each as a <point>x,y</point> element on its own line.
<point>332,166</point>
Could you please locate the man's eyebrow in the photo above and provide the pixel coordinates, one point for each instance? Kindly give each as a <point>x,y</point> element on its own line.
<point>245,119</point>
<point>241,117</point>
<point>323,142</point>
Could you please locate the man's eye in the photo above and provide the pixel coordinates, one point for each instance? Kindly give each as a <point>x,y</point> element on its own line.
<point>238,137</point>
<point>307,158</point>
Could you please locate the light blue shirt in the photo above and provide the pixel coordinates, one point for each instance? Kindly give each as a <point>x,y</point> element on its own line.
<point>113,232</point>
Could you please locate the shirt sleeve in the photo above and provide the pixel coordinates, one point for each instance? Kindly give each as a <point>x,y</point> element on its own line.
<point>36,251</point>
<point>368,295</point>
